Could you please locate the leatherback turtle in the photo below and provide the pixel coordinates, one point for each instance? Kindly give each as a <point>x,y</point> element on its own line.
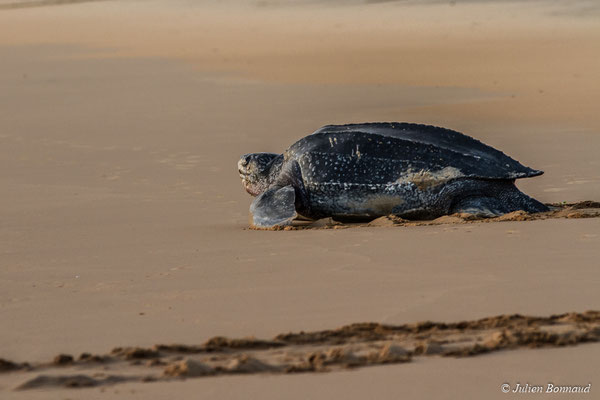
<point>364,171</point>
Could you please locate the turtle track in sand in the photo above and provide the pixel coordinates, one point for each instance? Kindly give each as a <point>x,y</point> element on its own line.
<point>351,346</point>
<point>583,209</point>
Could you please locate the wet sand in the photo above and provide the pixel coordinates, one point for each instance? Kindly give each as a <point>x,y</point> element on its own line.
<point>123,221</point>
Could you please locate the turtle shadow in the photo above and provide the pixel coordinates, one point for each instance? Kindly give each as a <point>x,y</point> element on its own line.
<point>579,210</point>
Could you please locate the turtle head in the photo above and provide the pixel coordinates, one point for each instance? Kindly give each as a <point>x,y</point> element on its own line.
<point>256,171</point>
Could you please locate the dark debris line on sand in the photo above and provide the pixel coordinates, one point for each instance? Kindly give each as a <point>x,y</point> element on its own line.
<point>351,346</point>
<point>11,5</point>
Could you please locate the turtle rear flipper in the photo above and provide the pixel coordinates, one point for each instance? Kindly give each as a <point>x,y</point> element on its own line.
<point>275,207</point>
<point>497,198</point>
<point>484,207</point>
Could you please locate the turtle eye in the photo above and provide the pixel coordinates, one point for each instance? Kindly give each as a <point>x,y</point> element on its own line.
<point>242,164</point>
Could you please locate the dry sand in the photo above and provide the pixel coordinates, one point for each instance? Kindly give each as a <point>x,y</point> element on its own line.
<point>123,221</point>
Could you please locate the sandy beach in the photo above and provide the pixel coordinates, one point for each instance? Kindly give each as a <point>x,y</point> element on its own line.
<point>123,222</point>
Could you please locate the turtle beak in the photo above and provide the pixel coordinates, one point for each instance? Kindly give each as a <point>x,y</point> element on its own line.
<point>249,188</point>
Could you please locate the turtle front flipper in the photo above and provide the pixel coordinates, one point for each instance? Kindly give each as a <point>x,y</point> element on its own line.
<point>273,208</point>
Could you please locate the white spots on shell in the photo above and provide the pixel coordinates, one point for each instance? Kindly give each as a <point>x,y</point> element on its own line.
<point>425,179</point>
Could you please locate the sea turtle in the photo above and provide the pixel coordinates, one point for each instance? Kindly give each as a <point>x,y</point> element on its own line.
<point>364,171</point>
